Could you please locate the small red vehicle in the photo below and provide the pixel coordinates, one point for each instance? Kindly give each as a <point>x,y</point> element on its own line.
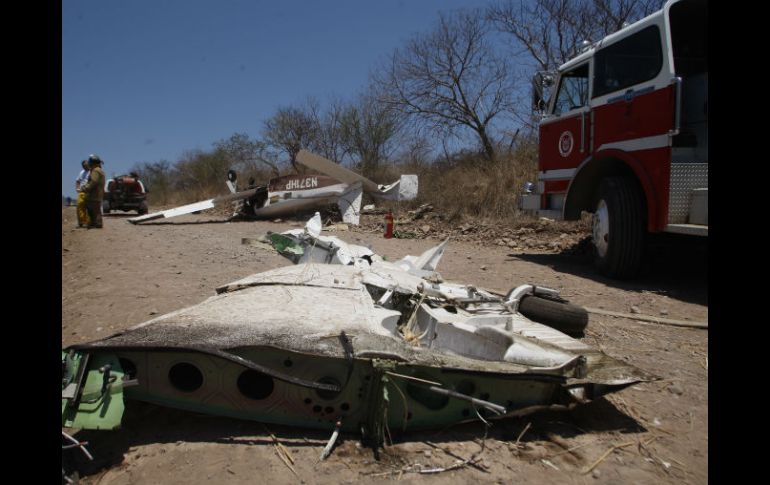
<point>125,193</point>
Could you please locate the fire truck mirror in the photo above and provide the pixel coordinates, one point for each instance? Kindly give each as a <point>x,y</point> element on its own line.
<point>538,104</point>
<point>541,84</point>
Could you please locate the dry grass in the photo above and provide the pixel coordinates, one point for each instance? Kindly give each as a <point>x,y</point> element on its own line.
<point>468,187</point>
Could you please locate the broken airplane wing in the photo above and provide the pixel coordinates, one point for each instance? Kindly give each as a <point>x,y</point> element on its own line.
<point>364,342</point>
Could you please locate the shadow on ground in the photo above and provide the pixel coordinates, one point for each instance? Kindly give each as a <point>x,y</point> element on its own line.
<point>185,223</point>
<point>147,424</point>
<point>674,266</point>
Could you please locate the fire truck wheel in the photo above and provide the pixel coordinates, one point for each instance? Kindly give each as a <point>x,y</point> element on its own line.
<point>618,227</point>
<point>564,317</point>
<point>142,209</point>
<point>106,207</point>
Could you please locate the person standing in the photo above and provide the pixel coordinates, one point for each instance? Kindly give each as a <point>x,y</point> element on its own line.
<point>94,190</point>
<point>82,212</point>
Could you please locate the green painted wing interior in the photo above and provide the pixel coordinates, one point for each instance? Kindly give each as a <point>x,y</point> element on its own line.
<point>107,411</point>
<point>285,244</point>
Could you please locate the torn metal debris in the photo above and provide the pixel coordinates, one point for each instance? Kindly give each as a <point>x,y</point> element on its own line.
<point>343,338</point>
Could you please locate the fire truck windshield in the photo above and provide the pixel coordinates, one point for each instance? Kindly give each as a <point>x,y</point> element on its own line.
<point>573,90</point>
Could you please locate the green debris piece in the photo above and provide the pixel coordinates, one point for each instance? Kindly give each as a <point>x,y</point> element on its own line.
<point>377,401</point>
<point>95,409</point>
<point>284,244</point>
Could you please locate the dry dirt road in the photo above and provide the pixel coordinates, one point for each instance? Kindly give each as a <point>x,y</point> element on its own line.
<point>656,432</point>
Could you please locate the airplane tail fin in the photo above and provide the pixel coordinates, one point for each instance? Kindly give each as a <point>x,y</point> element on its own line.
<point>350,204</point>
<point>404,189</point>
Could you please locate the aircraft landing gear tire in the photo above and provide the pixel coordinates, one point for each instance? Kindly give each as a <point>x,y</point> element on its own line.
<point>564,317</point>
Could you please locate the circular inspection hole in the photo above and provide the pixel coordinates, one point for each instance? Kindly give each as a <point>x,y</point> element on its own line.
<point>129,368</point>
<point>308,400</point>
<point>328,395</point>
<point>345,406</point>
<point>185,377</point>
<point>255,385</point>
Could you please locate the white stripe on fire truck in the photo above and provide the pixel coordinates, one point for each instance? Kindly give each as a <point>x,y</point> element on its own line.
<point>648,143</point>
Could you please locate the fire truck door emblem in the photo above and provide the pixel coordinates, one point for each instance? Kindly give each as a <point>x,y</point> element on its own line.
<point>565,144</point>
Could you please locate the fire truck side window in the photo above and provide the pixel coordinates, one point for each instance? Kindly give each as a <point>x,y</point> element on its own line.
<point>573,90</point>
<point>633,60</point>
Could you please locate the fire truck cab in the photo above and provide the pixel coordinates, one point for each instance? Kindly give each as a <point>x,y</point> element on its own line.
<point>624,135</point>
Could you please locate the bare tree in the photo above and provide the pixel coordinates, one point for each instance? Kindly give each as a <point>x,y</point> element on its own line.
<point>199,173</point>
<point>247,154</point>
<point>552,31</point>
<point>368,130</point>
<point>290,130</point>
<point>328,141</point>
<point>451,79</point>
<point>612,15</point>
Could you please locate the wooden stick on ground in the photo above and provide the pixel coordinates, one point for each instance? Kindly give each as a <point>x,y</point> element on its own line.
<point>522,433</point>
<point>285,450</point>
<point>573,448</point>
<point>564,446</point>
<point>648,318</point>
<point>479,466</point>
<point>285,461</point>
<point>282,452</point>
<point>605,455</point>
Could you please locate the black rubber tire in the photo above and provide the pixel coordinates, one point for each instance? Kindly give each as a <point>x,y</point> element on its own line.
<point>106,207</point>
<point>627,222</point>
<point>564,317</point>
<point>142,209</point>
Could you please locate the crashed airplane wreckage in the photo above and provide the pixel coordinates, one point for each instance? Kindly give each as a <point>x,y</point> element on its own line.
<point>290,194</point>
<point>359,344</point>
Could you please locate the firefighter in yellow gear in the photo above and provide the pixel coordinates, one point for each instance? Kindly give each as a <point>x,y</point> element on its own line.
<point>94,190</point>
<point>83,219</point>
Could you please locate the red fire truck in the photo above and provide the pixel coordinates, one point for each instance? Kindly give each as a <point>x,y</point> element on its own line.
<point>624,135</point>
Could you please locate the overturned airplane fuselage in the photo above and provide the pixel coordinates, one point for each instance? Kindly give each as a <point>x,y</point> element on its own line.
<point>290,194</point>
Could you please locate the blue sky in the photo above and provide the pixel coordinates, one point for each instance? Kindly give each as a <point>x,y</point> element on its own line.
<point>145,80</point>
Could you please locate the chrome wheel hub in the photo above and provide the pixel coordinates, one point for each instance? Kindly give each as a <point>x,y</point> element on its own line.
<point>601,228</point>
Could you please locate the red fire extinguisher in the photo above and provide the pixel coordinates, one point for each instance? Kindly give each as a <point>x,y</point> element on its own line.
<point>388,225</point>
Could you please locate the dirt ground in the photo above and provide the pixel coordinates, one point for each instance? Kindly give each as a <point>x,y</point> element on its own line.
<point>655,432</point>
